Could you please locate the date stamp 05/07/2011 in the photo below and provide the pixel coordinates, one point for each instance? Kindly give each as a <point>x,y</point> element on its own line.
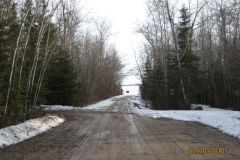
<point>206,150</point>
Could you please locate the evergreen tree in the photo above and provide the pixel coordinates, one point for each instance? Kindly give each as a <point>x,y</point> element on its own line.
<point>174,93</point>
<point>158,96</point>
<point>190,61</point>
<point>146,84</point>
<point>169,96</point>
<point>61,80</point>
<point>153,87</point>
<point>9,28</point>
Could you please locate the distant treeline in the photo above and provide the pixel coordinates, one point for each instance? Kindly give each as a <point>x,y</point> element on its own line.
<point>47,58</point>
<point>191,54</point>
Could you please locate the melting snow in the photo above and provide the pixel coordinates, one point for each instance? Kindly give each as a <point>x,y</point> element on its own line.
<point>226,121</point>
<point>59,107</point>
<point>102,105</point>
<point>18,133</point>
<point>99,106</point>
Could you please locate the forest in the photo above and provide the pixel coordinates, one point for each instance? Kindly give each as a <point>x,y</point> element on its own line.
<point>53,53</point>
<point>49,54</point>
<point>191,54</point>
<point>119,79</point>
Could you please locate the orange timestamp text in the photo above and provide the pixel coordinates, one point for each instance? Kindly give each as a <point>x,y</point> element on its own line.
<point>206,150</point>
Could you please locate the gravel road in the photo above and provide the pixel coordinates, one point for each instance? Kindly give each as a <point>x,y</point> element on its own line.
<point>118,134</point>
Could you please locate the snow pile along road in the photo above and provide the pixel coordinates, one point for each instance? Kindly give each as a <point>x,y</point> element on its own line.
<point>102,105</point>
<point>18,133</point>
<point>99,106</point>
<point>226,121</point>
<point>59,107</point>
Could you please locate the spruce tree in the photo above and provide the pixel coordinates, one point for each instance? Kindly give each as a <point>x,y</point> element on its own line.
<point>153,87</point>
<point>9,28</point>
<point>158,96</point>
<point>174,92</point>
<point>190,61</point>
<point>146,86</point>
<point>61,80</point>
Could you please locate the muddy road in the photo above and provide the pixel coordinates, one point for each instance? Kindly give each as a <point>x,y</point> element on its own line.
<point>122,135</point>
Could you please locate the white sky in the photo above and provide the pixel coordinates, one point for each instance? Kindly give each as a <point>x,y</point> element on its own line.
<point>123,16</point>
<point>130,90</point>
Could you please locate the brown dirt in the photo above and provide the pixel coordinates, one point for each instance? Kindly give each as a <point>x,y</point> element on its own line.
<point>122,136</point>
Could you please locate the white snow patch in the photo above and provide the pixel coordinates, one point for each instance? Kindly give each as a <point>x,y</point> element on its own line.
<point>99,106</point>
<point>226,121</point>
<point>18,133</point>
<point>59,107</point>
<point>206,107</point>
<point>102,105</point>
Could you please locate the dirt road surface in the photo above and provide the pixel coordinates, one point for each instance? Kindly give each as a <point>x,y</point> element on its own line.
<point>122,135</point>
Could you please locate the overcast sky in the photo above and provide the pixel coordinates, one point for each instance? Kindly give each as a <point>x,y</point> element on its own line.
<point>123,16</point>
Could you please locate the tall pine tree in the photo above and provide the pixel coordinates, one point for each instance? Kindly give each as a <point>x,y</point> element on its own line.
<point>61,81</point>
<point>189,61</point>
<point>9,28</point>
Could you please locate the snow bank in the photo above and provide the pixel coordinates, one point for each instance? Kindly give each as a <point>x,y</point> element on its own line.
<point>18,133</point>
<point>225,120</point>
<point>206,107</point>
<point>59,107</point>
<point>102,105</point>
<point>99,106</point>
